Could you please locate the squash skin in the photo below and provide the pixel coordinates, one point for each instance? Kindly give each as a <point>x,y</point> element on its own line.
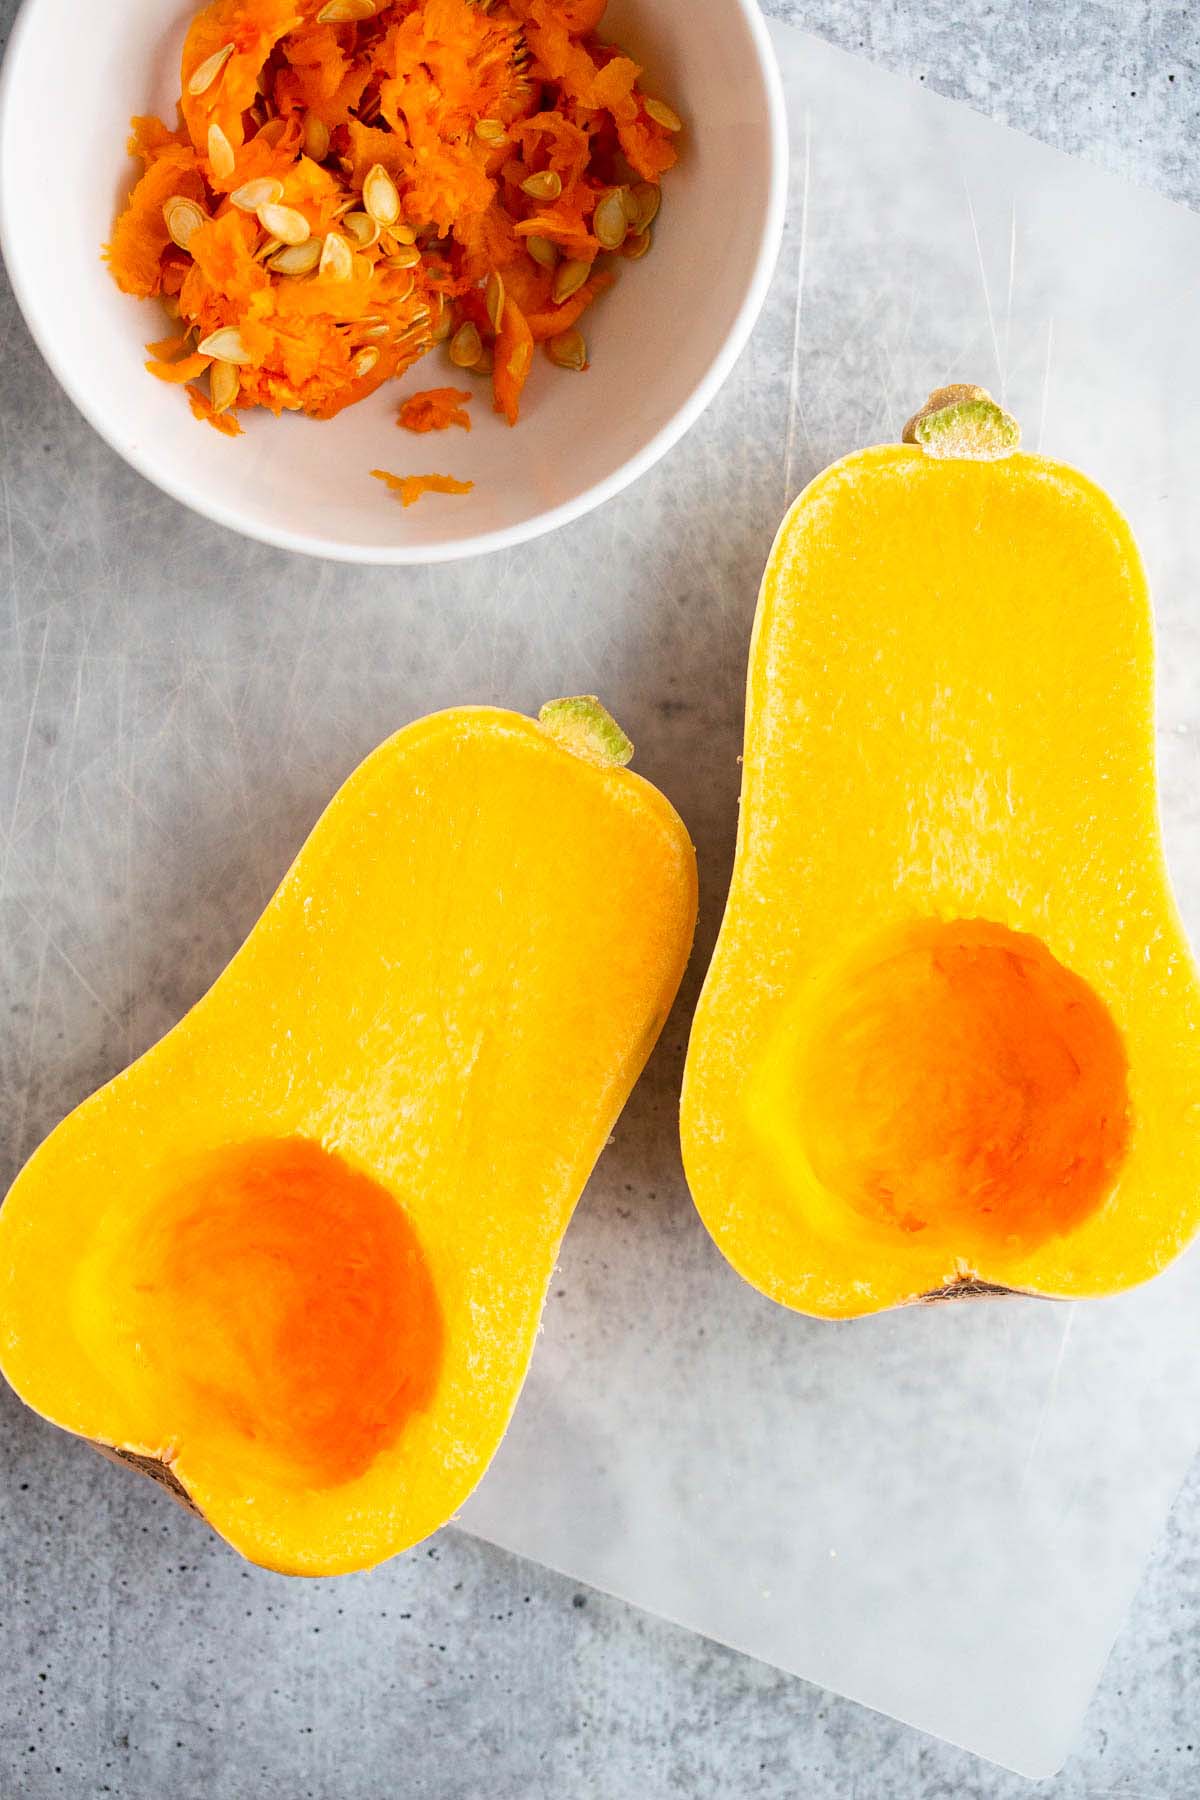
<point>454,988</point>
<point>950,717</point>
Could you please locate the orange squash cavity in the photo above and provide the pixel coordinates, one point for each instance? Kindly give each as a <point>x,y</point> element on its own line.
<point>950,1038</point>
<point>291,1262</point>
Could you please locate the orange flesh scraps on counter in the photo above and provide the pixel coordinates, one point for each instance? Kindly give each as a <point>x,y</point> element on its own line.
<point>282,1298</point>
<point>436,409</point>
<point>340,193</point>
<point>410,488</point>
<point>961,1081</point>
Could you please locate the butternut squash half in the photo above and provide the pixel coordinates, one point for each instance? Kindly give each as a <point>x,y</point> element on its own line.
<point>292,1261</point>
<point>950,1038</point>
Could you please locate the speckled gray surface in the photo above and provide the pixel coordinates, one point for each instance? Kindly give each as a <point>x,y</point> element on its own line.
<point>1113,82</point>
<point>139,1655</point>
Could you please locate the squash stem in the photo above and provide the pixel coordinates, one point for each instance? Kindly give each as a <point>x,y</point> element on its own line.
<point>582,725</point>
<point>964,424</point>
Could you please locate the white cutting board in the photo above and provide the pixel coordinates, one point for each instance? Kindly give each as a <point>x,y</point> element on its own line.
<point>940,1513</point>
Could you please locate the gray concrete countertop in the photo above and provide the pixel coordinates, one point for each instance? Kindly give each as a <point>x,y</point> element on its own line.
<point>483,1674</point>
<point>1111,80</point>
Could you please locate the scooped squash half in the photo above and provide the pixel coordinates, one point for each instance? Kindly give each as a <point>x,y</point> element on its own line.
<point>292,1261</point>
<point>950,1038</point>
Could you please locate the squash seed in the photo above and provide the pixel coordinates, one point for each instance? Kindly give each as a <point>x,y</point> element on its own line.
<point>316,137</point>
<point>285,223</point>
<point>376,331</point>
<point>491,131</point>
<point>267,249</point>
<point>663,115</point>
<point>365,361</point>
<point>220,153</point>
<point>224,384</point>
<point>567,350</point>
<point>362,228</point>
<point>381,197</point>
<point>646,197</point>
<point>484,363</point>
<point>406,257</point>
<point>493,295</point>
<point>253,194</point>
<point>404,234</point>
<point>271,132</point>
<point>346,12</point>
<point>569,277</point>
<point>297,259</point>
<point>205,73</point>
<point>542,251</point>
<point>609,221</point>
<point>182,217</point>
<point>337,258</point>
<point>226,344</point>
<point>545,185</point>
<point>636,245</point>
<point>443,325</point>
<point>466,346</point>
<point>400,291</point>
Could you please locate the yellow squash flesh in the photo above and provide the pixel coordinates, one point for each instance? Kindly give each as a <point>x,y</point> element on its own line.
<point>437,1019</point>
<point>949,768</point>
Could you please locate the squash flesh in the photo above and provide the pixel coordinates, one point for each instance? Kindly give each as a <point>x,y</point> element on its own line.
<point>452,993</point>
<point>949,721</point>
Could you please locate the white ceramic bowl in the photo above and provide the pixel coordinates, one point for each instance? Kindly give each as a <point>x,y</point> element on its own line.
<point>661,341</point>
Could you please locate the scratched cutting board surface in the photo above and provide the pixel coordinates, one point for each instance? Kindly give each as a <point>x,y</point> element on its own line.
<point>942,1513</point>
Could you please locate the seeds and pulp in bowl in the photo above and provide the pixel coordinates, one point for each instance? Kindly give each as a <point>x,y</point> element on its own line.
<point>352,182</point>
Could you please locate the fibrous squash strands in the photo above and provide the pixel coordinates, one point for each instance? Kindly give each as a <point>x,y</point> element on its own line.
<point>363,174</point>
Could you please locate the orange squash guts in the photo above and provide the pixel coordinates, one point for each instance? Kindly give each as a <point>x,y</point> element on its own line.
<point>291,1262</point>
<point>436,409</point>
<point>950,1038</point>
<point>348,178</point>
<point>411,488</point>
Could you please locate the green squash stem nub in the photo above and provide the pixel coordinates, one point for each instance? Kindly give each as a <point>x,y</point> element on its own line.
<point>586,728</point>
<point>963,423</point>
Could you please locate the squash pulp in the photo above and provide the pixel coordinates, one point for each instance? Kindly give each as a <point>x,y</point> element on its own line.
<point>950,1037</point>
<point>291,1262</point>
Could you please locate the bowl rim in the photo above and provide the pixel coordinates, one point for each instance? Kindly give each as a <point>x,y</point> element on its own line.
<point>538,524</point>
